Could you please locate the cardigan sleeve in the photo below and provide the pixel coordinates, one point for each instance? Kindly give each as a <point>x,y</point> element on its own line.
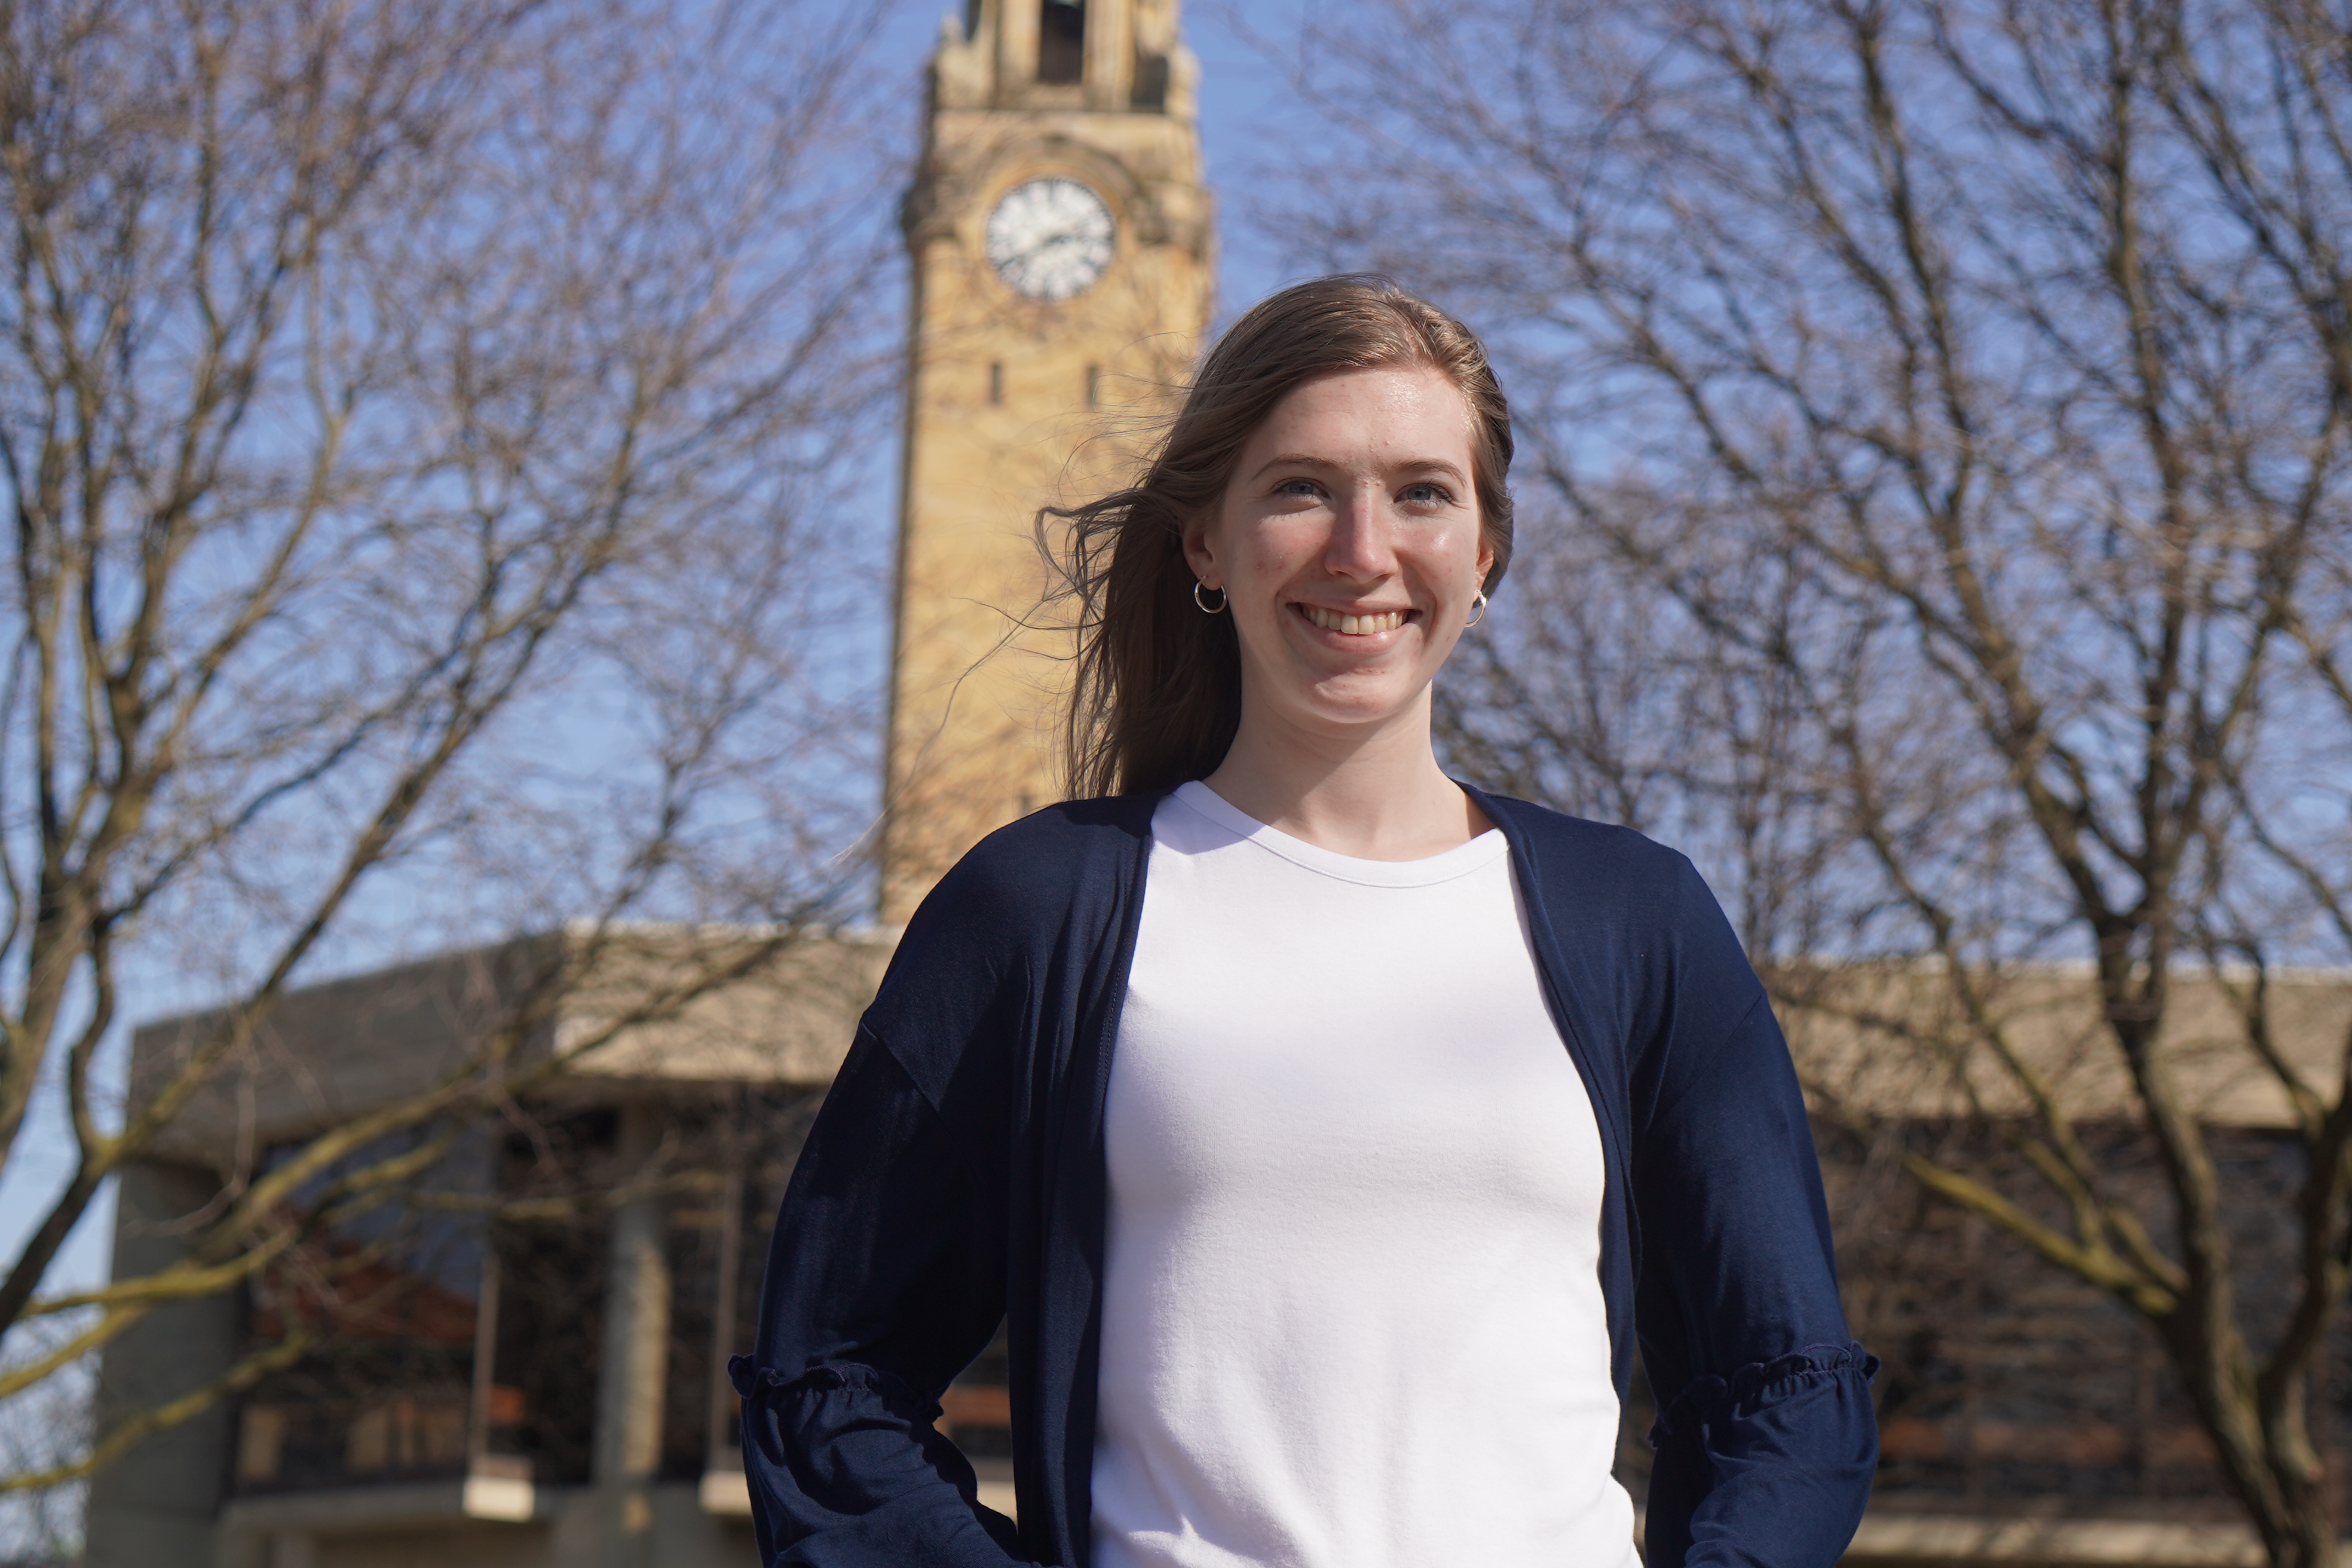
<point>1766,1442</point>
<point>885,1277</point>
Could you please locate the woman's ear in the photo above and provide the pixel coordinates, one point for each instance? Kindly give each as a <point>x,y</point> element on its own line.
<point>1485,561</point>
<point>1199,554</point>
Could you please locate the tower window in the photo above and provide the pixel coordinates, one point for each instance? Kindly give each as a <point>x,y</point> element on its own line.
<point>1062,41</point>
<point>996,381</point>
<point>1150,91</point>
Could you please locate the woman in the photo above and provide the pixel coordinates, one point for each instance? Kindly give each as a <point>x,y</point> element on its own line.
<point>1423,1103</point>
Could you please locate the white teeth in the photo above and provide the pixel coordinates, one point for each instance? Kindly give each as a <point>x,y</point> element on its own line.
<point>1355,626</point>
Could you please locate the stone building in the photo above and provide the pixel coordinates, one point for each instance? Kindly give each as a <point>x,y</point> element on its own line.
<point>523,1357</point>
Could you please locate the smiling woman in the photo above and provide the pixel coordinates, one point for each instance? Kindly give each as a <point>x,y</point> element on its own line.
<point>1325,1133</point>
<point>1349,551</point>
<point>1331,390</point>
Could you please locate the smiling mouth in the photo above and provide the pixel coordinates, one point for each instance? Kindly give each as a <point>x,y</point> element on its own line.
<point>1355,626</point>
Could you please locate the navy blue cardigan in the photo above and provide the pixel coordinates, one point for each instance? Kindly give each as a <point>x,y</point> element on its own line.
<point>954,1179</point>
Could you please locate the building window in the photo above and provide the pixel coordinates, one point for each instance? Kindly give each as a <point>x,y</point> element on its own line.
<point>1062,41</point>
<point>996,381</point>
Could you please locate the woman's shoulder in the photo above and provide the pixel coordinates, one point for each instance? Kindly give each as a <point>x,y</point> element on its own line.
<point>990,927</point>
<point>1609,899</point>
<point>1026,879</point>
<point>1598,873</point>
<point>1033,865</point>
<point>1575,847</point>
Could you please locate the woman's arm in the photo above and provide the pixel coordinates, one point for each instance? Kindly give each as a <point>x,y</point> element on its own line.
<point>885,1279</point>
<point>1766,1441</point>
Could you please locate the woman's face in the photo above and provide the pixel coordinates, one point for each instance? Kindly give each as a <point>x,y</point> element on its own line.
<point>1348,543</point>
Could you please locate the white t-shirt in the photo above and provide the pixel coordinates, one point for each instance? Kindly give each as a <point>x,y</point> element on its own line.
<point>1352,1316</point>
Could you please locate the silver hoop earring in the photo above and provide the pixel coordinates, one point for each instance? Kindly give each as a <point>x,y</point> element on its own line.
<point>1223,598</point>
<point>1479,604</point>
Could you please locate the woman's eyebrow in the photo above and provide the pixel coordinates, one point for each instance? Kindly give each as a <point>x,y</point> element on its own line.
<point>1433,465</point>
<point>1304,460</point>
<point>1294,459</point>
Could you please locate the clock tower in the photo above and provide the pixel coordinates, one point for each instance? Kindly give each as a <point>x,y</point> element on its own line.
<point>1062,271</point>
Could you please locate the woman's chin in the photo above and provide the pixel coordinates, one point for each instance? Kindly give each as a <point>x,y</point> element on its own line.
<point>1349,706</point>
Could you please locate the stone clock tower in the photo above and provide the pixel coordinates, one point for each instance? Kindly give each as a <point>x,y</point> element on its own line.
<point>1061,244</point>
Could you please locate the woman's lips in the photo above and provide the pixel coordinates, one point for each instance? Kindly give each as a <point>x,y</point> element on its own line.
<point>1366,625</point>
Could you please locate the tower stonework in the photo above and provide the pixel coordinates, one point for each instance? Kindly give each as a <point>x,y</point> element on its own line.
<point>1061,244</point>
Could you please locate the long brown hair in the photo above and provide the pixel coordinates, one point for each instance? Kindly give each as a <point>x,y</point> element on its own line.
<point>1158,690</point>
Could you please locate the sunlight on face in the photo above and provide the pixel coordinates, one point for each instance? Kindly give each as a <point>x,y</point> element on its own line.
<point>1349,540</point>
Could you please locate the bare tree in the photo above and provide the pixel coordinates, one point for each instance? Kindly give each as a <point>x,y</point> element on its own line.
<point>1942,409</point>
<point>48,1426</point>
<point>422,426</point>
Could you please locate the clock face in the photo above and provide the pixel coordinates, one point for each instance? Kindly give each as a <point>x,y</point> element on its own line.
<point>1050,239</point>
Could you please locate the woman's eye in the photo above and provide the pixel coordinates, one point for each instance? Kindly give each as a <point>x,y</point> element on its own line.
<point>1298,488</point>
<point>1426,495</point>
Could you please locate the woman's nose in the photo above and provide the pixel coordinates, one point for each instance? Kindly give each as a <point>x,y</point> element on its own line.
<point>1361,547</point>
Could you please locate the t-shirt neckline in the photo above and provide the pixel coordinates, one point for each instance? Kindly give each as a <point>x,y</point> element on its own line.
<point>1443,867</point>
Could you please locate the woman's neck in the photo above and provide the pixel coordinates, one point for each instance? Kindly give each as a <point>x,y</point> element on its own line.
<point>1377,795</point>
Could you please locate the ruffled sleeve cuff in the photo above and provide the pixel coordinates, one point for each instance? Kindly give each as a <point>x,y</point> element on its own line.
<point>753,1381</point>
<point>1769,1467</point>
<point>1759,1384</point>
<point>847,1470</point>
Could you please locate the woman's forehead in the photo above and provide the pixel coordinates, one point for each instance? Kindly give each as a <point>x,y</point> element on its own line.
<point>1381,410</point>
